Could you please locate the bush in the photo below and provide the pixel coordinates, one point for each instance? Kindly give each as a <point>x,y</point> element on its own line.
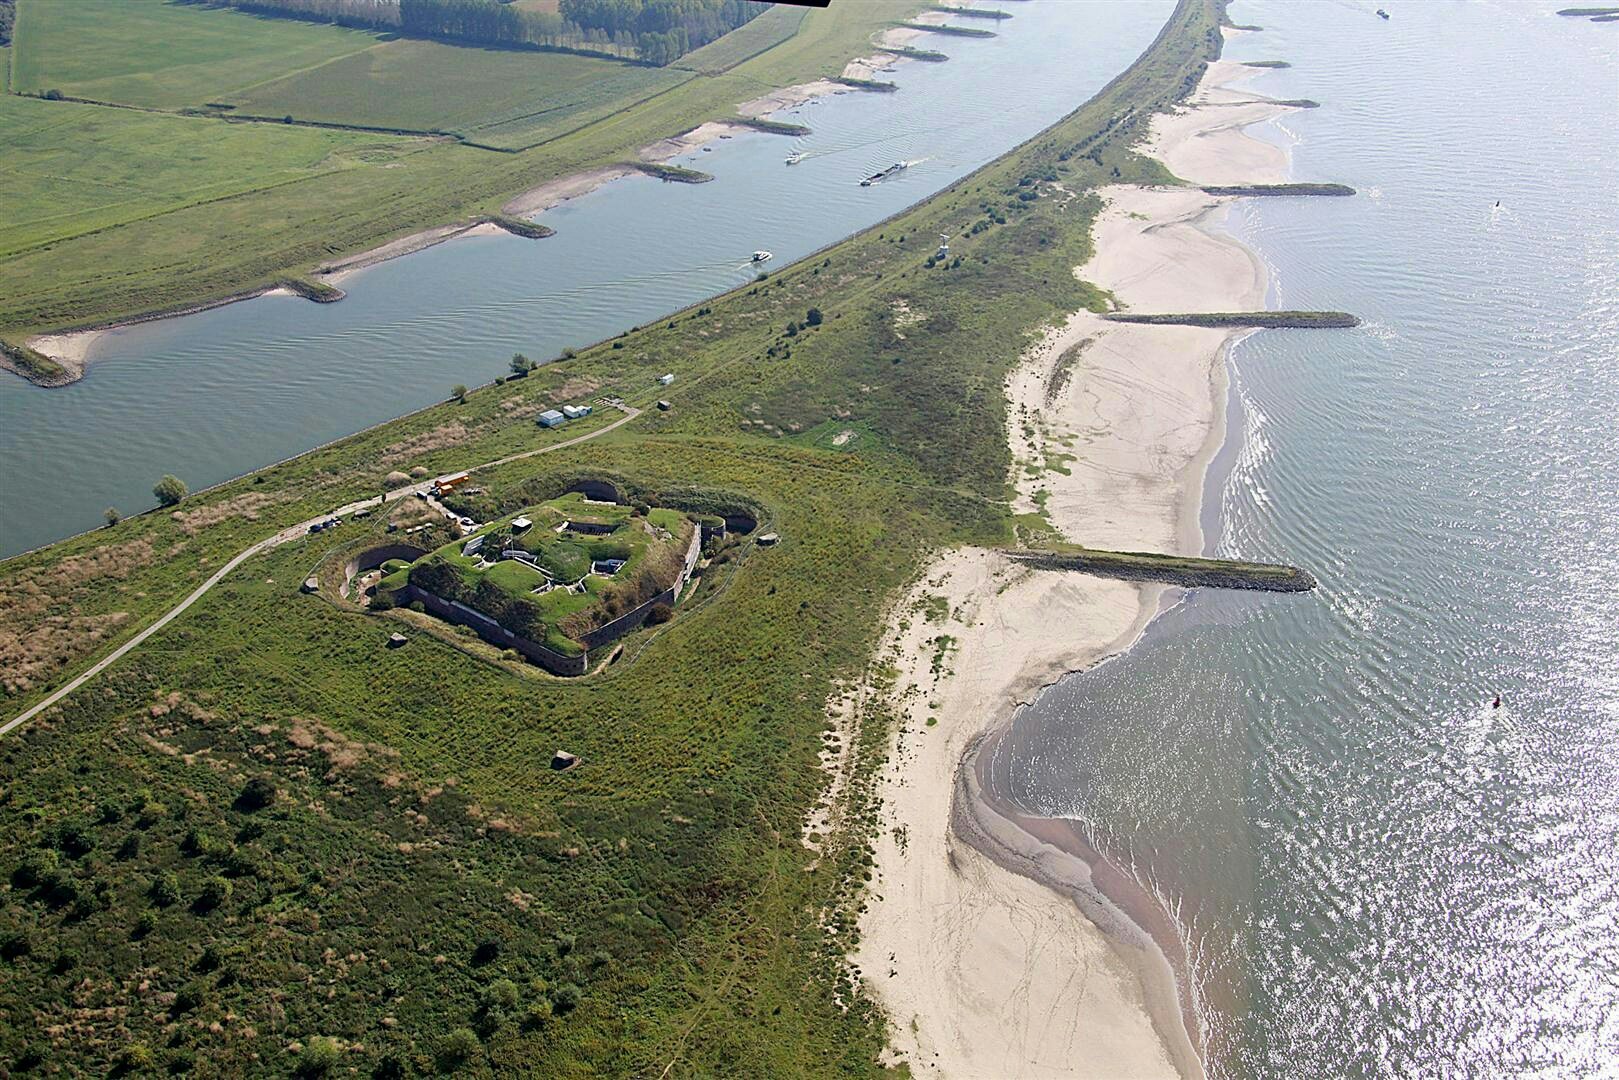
<point>165,889</point>
<point>459,1047</point>
<point>112,516</point>
<point>565,999</point>
<point>813,318</point>
<point>15,944</point>
<point>34,868</point>
<point>660,613</point>
<point>257,794</point>
<point>215,891</point>
<point>170,490</point>
<point>395,479</point>
<point>500,996</point>
<point>458,392</point>
<point>135,1058</point>
<point>320,1055</point>
<point>74,839</point>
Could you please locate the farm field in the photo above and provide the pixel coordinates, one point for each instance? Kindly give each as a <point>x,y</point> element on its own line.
<point>162,55</point>
<point>207,841</point>
<point>208,249</point>
<point>504,98</point>
<point>70,169</point>
<point>746,41</point>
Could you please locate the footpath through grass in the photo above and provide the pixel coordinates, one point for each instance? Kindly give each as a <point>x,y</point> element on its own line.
<point>264,841</point>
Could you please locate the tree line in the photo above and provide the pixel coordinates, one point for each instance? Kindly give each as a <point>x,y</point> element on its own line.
<point>655,32</point>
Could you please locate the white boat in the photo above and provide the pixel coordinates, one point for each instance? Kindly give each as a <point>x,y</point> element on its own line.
<point>761,256</point>
<point>795,157</point>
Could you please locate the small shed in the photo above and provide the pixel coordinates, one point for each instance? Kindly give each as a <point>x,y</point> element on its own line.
<point>562,761</point>
<point>311,584</point>
<point>768,539</point>
<point>666,378</point>
<point>574,412</point>
<point>551,418</point>
<point>664,406</point>
<point>521,523</point>
<point>396,640</point>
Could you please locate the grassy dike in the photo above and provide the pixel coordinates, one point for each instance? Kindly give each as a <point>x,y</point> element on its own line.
<point>205,847</point>
<point>316,195</point>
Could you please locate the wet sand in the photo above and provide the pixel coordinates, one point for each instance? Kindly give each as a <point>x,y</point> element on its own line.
<point>1056,968</point>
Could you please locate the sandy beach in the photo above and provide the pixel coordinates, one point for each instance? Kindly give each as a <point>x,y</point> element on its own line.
<point>986,973</point>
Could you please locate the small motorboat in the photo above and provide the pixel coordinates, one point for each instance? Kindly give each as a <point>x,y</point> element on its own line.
<point>1381,14</point>
<point>762,256</point>
<point>795,157</point>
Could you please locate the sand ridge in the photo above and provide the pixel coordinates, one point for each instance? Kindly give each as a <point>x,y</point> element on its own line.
<point>985,973</point>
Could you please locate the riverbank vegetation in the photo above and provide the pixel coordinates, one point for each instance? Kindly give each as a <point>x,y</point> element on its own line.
<point>205,846</point>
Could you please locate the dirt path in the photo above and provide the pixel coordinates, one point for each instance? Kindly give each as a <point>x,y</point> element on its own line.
<point>291,532</point>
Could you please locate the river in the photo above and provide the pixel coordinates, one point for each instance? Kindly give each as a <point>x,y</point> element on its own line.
<point>213,395</point>
<point>1377,872</point>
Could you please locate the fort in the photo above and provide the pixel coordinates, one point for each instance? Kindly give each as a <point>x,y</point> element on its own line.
<point>555,582</point>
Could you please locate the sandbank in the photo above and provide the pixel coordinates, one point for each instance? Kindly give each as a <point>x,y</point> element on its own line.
<point>1040,972</point>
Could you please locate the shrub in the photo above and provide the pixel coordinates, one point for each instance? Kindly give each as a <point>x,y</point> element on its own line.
<point>419,472</point>
<point>215,891</point>
<point>565,999</point>
<point>395,479</point>
<point>74,839</point>
<point>458,1048</point>
<point>15,944</point>
<point>170,490</point>
<point>500,996</point>
<point>34,868</point>
<point>258,793</point>
<point>660,613</point>
<point>190,997</point>
<point>165,889</point>
<point>135,1058</point>
<point>521,365</point>
<point>112,516</point>
<point>320,1055</point>
<point>458,392</point>
<point>813,318</point>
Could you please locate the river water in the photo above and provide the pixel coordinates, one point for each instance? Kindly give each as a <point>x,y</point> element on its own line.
<point>1376,872</point>
<point>213,395</point>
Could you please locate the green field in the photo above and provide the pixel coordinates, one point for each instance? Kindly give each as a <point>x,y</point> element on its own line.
<point>509,99</point>
<point>205,846</point>
<point>205,247</point>
<point>750,39</point>
<point>162,55</point>
<point>70,169</point>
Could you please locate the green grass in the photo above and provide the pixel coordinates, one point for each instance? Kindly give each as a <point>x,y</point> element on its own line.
<point>72,169</point>
<point>505,98</point>
<point>750,39</point>
<point>162,55</point>
<point>656,899</point>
